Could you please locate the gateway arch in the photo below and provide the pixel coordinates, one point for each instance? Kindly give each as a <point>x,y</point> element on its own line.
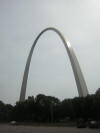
<point>80,82</point>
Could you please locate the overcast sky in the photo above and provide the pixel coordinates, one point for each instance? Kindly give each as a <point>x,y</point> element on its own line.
<point>50,70</point>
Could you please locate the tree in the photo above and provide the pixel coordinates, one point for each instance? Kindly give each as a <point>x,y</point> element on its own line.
<point>3,112</point>
<point>98,92</point>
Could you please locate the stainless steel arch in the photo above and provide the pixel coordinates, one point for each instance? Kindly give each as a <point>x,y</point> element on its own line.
<point>80,82</point>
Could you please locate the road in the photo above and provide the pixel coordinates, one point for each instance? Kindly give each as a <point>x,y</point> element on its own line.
<point>4,128</point>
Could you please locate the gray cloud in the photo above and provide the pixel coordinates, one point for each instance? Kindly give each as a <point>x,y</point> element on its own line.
<point>50,70</point>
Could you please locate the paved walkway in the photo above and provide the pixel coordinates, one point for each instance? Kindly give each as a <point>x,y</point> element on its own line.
<point>30,129</point>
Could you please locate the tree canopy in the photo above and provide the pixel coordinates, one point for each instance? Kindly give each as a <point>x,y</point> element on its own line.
<point>44,108</point>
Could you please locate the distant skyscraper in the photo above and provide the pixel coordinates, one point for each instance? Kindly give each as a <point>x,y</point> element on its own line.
<point>80,82</point>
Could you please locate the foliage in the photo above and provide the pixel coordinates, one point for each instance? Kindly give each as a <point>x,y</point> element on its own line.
<point>98,92</point>
<point>50,109</point>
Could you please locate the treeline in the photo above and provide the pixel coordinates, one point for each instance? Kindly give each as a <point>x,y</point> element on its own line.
<point>50,109</point>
